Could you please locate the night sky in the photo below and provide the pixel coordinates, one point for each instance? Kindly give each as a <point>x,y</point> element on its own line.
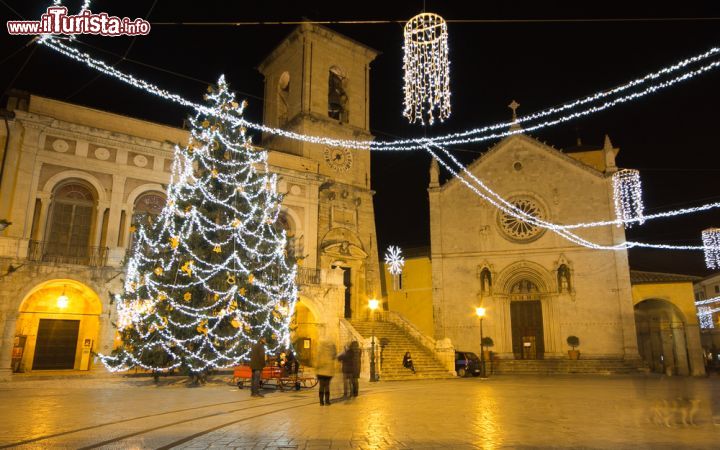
<point>671,136</point>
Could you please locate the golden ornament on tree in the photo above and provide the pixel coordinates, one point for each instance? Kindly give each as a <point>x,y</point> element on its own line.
<point>251,278</point>
<point>217,249</point>
<point>187,297</point>
<point>187,267</point>
<point>158,271</point>
<point>231,279</point>
<point>174,242</point>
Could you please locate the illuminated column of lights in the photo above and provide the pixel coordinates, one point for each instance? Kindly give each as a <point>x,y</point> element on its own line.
<point>706,318</point>
<point>627,191</point>
<point>427,69</point>
<point>711,246</point>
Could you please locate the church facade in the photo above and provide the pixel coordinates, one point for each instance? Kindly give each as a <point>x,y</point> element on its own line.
<point>538,288</point>
<point>74,178</point>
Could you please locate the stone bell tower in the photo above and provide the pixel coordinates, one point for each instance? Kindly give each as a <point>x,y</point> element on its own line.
<point>317,83</point>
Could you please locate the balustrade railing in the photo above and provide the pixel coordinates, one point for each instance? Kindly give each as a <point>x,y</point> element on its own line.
<point>62,253</point>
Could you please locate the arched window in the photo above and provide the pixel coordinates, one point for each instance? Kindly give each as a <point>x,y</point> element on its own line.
<point>145,210</point>
<point>147,207</point>
<point>283,95</point>
<point>294,242</point>
<point>71,220</point>
<point>563,279</point>
<point>337,97</point>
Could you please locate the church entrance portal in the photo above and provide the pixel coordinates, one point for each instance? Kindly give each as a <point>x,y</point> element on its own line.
<point>527,329</point>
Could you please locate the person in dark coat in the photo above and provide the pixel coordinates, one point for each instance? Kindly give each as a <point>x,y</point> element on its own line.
<point>350,359</point>
<point>408,362</point>
<point>325,369</point>
<point>257,364</point>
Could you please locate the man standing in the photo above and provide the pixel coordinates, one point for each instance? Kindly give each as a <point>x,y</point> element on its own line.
<point>350,359</point>
<point>257,363</point>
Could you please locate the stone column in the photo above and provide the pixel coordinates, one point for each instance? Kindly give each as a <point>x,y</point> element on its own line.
<point>681,356</point>
<point>666,339</point>
<point>8,333</point>
<point>43,217</point>
<point>694,349</point>
<point>113,228</point>
<point>97,229</point>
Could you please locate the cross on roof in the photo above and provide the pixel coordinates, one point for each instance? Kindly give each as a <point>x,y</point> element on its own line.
<point>514,106</point>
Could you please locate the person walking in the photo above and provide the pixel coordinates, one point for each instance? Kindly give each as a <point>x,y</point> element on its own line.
<point>350,360</point>
<point>325,369</point>
<point>408,362</point>
<point>257,364</point>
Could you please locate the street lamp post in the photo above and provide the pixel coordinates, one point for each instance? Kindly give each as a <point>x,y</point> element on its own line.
<point>480,311</point>
<point>373,305</point>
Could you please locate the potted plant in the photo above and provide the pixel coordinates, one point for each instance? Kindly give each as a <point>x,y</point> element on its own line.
<point>573,341</point>
<point>487,342</point>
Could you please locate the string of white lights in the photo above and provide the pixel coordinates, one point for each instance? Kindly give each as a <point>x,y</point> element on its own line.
<point>507,207</point>
<point>708,301</point>
<point>418,143</point>
<point>111,71</point>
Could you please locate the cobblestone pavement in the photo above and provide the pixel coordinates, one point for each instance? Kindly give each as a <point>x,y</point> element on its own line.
<point>501,412</point>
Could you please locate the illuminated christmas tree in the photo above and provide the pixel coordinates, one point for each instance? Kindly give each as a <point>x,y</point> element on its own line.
<point>211,274</point>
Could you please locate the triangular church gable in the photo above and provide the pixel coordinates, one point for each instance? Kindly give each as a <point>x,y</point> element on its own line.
<point>523,144</point>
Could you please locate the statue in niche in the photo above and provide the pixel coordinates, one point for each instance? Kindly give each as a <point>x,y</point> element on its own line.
<point>485,281</point>
<point>563,275</point>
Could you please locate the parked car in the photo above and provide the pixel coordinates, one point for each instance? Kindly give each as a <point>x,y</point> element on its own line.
<point>467,363</point>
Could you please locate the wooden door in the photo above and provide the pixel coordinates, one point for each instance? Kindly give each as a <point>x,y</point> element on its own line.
<point>527,329</point>
<point>56,344</point>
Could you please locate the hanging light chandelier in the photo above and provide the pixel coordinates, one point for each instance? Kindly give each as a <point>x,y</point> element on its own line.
<point>427,69</point>
<point>627,191</point>
<point>711,242</point>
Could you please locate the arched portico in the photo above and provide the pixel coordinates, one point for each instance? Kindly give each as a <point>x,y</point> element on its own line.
<point>57,327</point>
<point>662,339</point>
<point>307,329</point>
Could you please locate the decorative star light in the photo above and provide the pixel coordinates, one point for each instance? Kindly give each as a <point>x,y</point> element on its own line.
<point>627,190</point>
<point>394,260</point>
<point>427,69</point>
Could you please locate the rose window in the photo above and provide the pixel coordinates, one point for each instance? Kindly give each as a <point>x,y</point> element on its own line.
<point>517,229</point>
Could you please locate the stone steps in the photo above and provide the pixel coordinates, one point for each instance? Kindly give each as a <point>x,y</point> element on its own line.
<point>564,366</point>
<point>426,366</point>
